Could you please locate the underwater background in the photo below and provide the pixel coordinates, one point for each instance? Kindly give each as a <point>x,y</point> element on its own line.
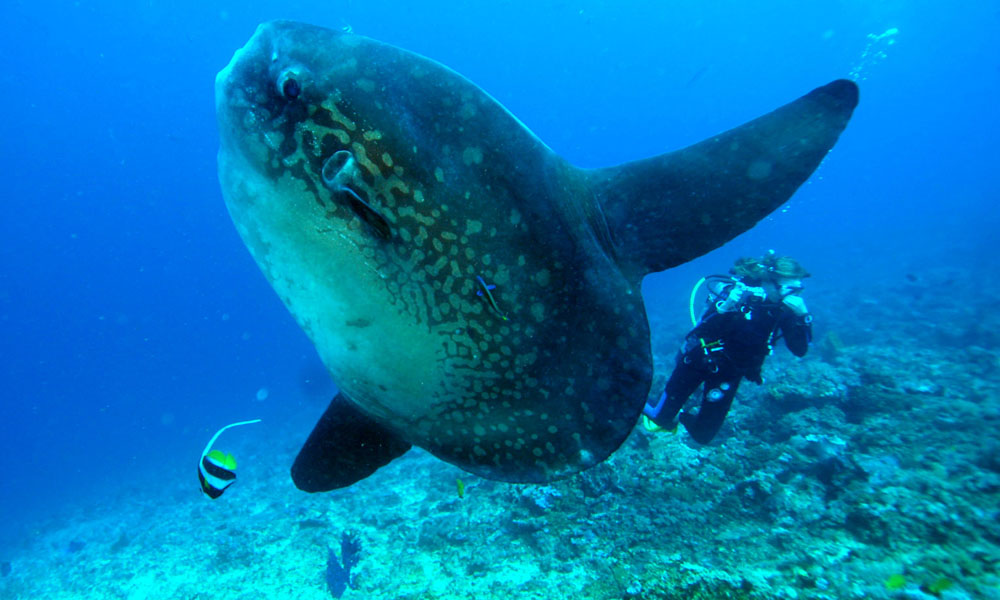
<point>134,323</point>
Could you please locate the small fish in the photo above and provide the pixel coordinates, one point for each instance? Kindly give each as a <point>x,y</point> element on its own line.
<point>338,572</point>
<point>217,469</point>
<point>486,289</point>
<point>461,488</point>
<point>697,75</point>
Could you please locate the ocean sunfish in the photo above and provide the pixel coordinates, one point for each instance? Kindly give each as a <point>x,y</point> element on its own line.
<point>469,291</point>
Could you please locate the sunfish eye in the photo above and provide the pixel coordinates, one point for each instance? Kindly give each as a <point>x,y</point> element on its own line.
<point>291,89</point>
<point>288,83</point>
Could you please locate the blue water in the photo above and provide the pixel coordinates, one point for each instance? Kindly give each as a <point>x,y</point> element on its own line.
<point>134,323</point>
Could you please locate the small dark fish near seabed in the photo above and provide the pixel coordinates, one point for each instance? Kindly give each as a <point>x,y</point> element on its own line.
<point>338,572</point>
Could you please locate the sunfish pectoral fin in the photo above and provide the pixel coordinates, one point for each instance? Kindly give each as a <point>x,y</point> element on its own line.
<point>367,213</point>
<point>669,209</point>
<point>345,447</point>
<point>340,176</point>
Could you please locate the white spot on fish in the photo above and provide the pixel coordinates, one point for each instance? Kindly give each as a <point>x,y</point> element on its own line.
<point>759,169</point>
<point>473,155</point>
<point>472,227</point>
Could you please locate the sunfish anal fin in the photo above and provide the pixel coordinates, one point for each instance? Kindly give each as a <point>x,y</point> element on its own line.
<point>345,447</point>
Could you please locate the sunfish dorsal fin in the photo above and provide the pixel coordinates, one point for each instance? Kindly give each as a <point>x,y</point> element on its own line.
<point>669,209</point>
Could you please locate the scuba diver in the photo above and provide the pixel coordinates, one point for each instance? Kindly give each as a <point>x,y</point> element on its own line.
<point>747,314</point>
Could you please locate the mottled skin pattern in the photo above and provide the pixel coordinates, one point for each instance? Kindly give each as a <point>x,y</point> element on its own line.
<point>467,192</point>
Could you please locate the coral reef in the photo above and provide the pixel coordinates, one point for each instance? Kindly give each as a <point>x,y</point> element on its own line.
<point>869,469</point>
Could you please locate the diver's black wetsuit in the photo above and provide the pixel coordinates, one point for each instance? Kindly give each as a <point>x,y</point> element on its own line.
<point>721,350</point>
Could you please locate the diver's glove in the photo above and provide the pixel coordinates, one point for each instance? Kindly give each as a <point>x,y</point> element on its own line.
<point>797,304</point>
<point>734,299</point>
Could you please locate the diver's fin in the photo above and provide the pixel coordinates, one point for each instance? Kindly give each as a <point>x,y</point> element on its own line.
<point>345,447</point>
<point>668,209</point>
